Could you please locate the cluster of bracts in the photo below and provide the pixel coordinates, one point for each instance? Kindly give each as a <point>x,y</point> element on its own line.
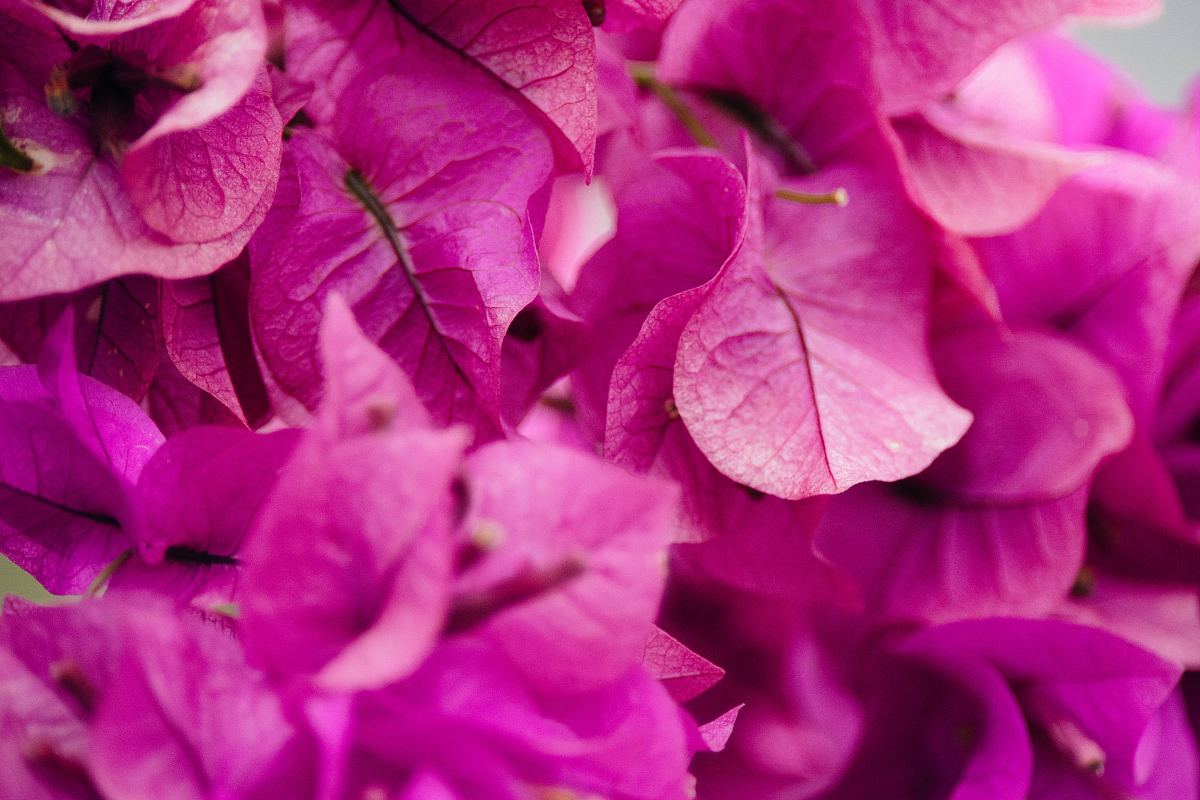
<point>624,399</point>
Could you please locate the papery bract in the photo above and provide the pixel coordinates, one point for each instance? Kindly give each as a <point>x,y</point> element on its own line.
<point>996,524</point>
<point>747,539</point>
<point>52,663</point>
<point>195,502</point>
<point>970,710</point>
<point>591,547</point>
<point>543,52</point>
<point>368,520</point>
<point>373,567</point>
<point>174,185</point>
<point>626,15</point>
<point>116,330</point>
<point>187,718</point>
<point>423,215</point>
<point>1117,301</point>
<point>468,719</point>
<point>122,693</point>
<point>685,674</point>
<point>73,450</point>
<point>778,322</point>
<point>176,404</point>
<point>797,75</point>
<point>701,199</point>
<point>924,47</point>
<point>976,181</point>
<point>206,332</point>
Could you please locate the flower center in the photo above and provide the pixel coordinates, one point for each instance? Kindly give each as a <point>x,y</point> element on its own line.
<point>108,86</point>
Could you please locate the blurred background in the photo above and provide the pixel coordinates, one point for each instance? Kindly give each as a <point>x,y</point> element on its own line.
<point>1162,55</point>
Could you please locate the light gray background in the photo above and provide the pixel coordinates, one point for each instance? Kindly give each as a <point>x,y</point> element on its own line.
<point>1162,55</point>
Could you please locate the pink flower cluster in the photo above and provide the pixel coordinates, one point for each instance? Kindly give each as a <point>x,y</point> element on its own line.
<point>857,459</point>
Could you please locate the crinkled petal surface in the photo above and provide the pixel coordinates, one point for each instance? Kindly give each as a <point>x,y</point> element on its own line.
<point>417,212</point>
<point>804,371</point>
<point>685,673</point>
<point>206,333</point>
<point>696,196</point>
<point>542,52</point>
<point>80,208</point>
<point>116,331</point>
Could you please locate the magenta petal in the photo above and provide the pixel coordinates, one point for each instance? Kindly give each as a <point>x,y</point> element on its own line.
<point>644,432</point>
<point>432,246</point>
<point>761,544</point>
<point>364,389</point>
<point>348,566</point>
<point>629,15</point>
<point>1117,300</point>
<point>685,674</point>
<point>976,182</point>
<point>715,733</point>
<point>176,404</point>
<point>106,422</point>
<point>696,196</point>
<point>942,561</point>
<point>807,65</point>
<point>35,715</point>
<point>187,717</point>
<point>73,449</point>
<point>103,19</point>
<point>197,498</point>
<point>1163,619</point>
<point>368,517</point>
<point>206,332</point>
<point>222,41</point>
<point>426,786</point>
<point>555,507</point>
<point>116,334</point>
<point>1048,88</point>
<point>201,169</point>
<point>60,506</point>
<point>198,184</point>
<point>1045,413</point>
<point>940,729</point>
<point>1108,687</point>
<point>804,371</point>
<point>542,52</point>
<point>51,662</point>
<point>1179,405</point>
<point>926,47</point>
<point>996,524</point>
<point>469,718</point>
<point>80,222</point>
<point>1139,10</point>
